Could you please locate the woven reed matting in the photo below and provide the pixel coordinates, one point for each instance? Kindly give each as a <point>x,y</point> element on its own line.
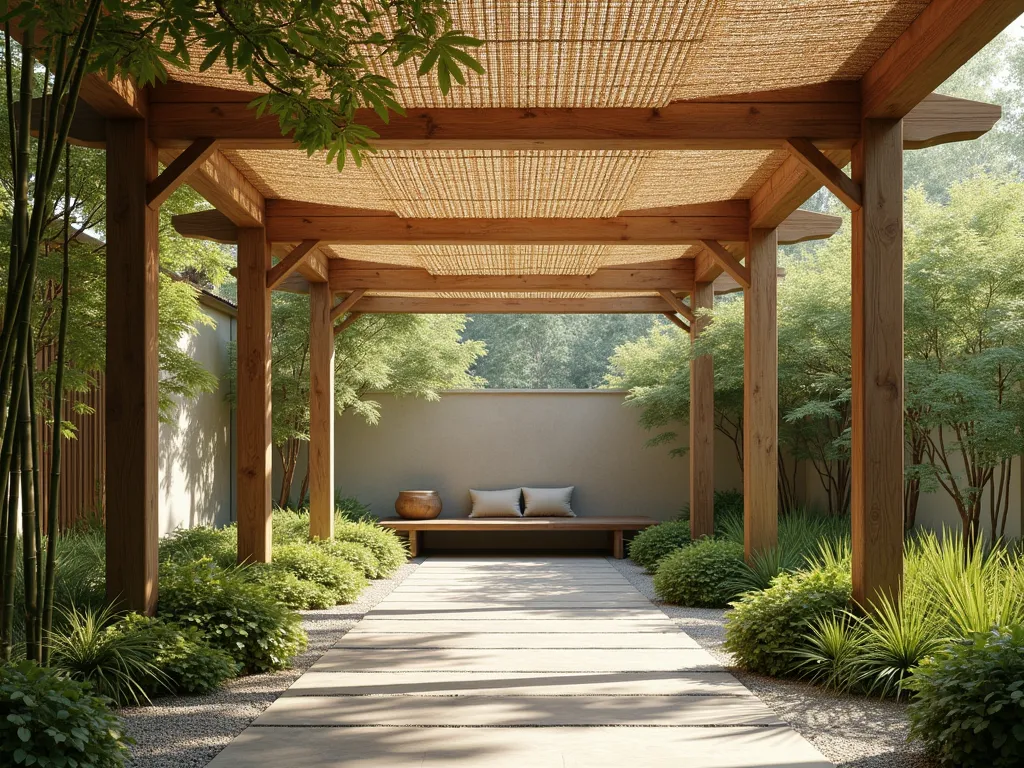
<point>587,53</point>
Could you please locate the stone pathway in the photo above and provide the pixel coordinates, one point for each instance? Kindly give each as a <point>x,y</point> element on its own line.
<point>513,662</point>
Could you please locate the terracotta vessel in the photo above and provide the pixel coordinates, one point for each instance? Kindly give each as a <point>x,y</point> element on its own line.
<point>418,505</point>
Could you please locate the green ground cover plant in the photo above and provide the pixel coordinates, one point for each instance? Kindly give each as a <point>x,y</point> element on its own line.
<point>649,547</point>
<point>700,574</point>
<point>968,707</point>
<point>312,563</point>
<point>47,719</point>
<point>385,545</point>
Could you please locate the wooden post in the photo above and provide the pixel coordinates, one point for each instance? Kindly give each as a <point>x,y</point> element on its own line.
<point>877,395</point>
<point>321,412</point>
<point>760,396</point>
<point>252,415</point>
<point>702,423</point>
<point>132,370</point>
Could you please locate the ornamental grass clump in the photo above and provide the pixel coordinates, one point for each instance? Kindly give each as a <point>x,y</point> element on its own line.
<point>699,575</point>
<point>968,705</point>
<point>651,545</point>
<point>48,719</point>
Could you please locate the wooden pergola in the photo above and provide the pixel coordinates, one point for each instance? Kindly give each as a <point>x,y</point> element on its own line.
<point>770,135</point>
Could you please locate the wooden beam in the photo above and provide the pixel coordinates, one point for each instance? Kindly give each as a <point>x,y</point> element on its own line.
<point>702,422</point>
<point>344,324</point>
<point>206,225</point>
<point>737,271</point>
<point>941,119</point>
<point>825,171</point>
<point>347,275</point>
<point>253,422</point>
<point>226,189</point>
<point>321,413</point>
<point>941,39</point>
<point>178,171</point>
<point>801,226</point>
<point>635,305</point>
<point>827,113</point>
<point>132,371</point>
<point>760,397</point>
<point>620,230</point>
<point>876,479</point>
<point>346,304</point>
<point>287,265</point>
<point>724,284</point>
<point>677,305</point>
<point>786,190</point>
<point>677,320</point>
<point>119,98</point>
<point>314,268</point>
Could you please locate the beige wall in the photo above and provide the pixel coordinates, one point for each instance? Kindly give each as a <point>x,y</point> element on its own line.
<point>497,439</point>
<point>196,449</point>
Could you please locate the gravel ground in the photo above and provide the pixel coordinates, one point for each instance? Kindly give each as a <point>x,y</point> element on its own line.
<point>851,731</point>
<point>188,731</point>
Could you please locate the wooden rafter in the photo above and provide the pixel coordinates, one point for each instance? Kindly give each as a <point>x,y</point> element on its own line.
<point>178,171</point>
<point>346,304</point>
<point>635,305</point>
<point>677,305</point>
<point>346,275</point>
<point>827,113</point>
<point>291,262</point>
<point>728,263</point>
<point>677,320</point>
<point>823,169</point>
<point>941,39</point>
<point>801,226</point>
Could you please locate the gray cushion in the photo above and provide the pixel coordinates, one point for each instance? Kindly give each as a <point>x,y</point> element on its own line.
<point>548,502</point>
<point>496,503</point>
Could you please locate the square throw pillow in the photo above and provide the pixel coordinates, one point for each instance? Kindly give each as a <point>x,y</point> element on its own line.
<point>496,503</point>
<point>548,502</point>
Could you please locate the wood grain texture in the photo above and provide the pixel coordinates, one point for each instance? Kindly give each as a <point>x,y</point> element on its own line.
<point>729,263</point>
<point>621,230</point>
<point>677,305</point>
<point>677,321</point>
<point>787,189</point>
<point>760,396</point>
<point>616,523</point>
<point>132,370</point>
<point>702,422</point>
<point>837,182</point>
<point>225,188</point>
<point>178,171</point>
<point>801,226</point>
<point>627,305</point>
<point>346,304</point>
<point>252,409</point>
<point>348,275</point>
<point>291,262</point>
<point>939,41</point>
<point>321,412</point>
<point>877,393</point>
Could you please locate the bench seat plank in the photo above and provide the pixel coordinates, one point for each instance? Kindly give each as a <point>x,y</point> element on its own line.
<point>616,525</point>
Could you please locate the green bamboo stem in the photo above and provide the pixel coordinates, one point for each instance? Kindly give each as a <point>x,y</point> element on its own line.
<point>29,544</point>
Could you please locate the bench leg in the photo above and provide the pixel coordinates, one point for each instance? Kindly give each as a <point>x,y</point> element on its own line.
<point>618,547</point>
<point>414,543</point>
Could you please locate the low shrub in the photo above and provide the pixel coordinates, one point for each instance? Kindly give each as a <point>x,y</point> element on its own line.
<point>243,619</point>
<point>385,545</point>
<point>649,546</point>
<point>290,527</point>
<point>969,702</point>
<point>48,720</point>
<point>313,563</point>
<point>118,665</point>
<point>355,553</point>
<point>188,663</point>
<point>699,575</point>
<point>766,631</point>
<point>187,545</point>
<point>292,591</point>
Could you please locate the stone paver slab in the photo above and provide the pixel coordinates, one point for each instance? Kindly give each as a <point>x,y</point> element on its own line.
<point>514,613</point>
<point>727,747</point>
<point>360,638</point>
<point>515,711</point>
<point>530,626</point>
<point>540,660</point>
<point>484,603</point>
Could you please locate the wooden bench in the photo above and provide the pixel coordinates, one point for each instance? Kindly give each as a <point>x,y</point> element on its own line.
<point>617,526</point>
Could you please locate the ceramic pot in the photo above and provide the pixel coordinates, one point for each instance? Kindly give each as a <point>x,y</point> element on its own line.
<point>418,505</point>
